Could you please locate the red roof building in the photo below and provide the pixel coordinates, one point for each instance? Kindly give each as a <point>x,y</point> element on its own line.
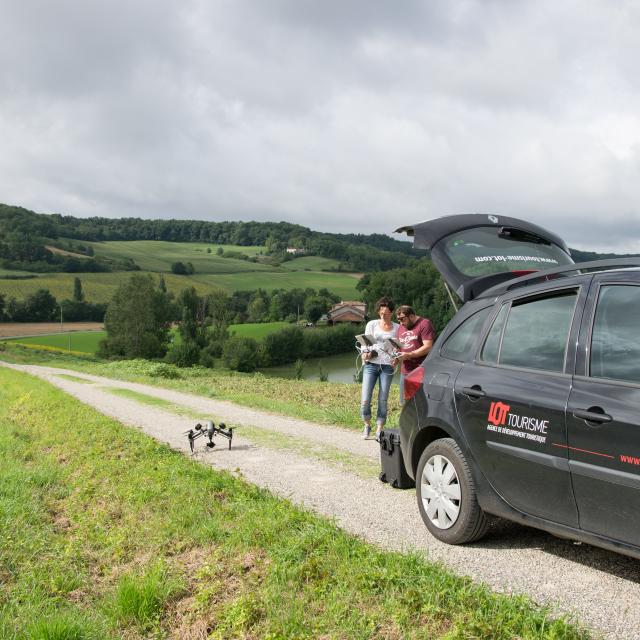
<point>351,311</point>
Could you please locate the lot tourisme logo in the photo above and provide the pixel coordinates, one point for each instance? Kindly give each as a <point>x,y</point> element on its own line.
<point>501,420</point>
<point>498,413</point>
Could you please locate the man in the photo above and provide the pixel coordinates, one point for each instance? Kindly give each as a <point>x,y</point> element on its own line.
<point>416,335</point>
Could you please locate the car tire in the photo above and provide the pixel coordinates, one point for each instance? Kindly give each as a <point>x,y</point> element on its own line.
<point>447,495</point>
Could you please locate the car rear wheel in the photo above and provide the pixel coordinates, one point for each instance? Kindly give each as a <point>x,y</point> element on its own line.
<point>447,495</point>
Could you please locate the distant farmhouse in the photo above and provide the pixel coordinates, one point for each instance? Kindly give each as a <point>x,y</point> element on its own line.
<point>348,311</point>
<point>295,251</point>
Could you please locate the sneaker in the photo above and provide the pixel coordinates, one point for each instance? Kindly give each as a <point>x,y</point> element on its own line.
<point>378,432</point>
<point>366,431</point>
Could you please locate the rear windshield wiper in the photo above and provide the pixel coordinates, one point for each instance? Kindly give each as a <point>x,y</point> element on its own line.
<point>523,236</point>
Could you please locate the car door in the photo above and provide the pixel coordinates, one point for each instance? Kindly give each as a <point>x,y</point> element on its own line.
<point>511,402</point>
<point>603,412</point>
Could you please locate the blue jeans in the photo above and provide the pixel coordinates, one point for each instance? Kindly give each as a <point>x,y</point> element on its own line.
<point>371,374</point>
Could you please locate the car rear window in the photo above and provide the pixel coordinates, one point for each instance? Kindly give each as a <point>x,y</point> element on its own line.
<point>486,250</point>
<point>457,345</point>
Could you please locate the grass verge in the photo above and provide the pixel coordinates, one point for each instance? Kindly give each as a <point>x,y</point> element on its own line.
<point>105,533</point>
<point>66,376</point>
<point>161,403</point>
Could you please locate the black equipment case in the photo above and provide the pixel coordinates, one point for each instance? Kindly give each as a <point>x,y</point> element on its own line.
<point>391,461</point>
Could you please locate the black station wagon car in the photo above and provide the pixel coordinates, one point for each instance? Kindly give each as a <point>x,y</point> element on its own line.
<point>528,406</point>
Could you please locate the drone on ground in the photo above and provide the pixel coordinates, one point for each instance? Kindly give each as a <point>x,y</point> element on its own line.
<point>209,430</point>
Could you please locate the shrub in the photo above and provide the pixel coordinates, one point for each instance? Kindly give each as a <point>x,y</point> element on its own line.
<point>282,346</point>
<point>326,342</point>
<point>145,368</point>
<point>240,354</point>
<point>178,268</point>
<point>185,354</point>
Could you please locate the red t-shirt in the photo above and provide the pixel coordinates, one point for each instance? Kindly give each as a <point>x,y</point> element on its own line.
<point>413,339</point>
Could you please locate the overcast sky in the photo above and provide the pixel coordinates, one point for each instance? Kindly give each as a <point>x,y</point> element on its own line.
<point>342,116</point>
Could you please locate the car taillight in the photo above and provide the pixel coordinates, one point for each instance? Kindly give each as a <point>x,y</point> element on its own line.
<point>412,382</point>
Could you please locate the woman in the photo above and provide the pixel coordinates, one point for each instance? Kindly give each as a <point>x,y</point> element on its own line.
<point>378,368</point>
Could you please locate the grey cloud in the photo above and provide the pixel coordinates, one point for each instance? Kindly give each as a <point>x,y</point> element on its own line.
<point>340,116</point>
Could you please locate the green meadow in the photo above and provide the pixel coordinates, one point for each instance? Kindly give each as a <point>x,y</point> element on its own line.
<point>257,330</point>
<point>14,272</point>
<point>100,287</point>
<point>311,263</point>
<point>158,255</point>
<point>342,284</point>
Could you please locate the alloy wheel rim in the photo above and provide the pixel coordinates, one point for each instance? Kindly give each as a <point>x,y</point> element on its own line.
<point>440,492</point>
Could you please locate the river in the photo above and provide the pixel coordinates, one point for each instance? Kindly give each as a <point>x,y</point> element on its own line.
<point>341,368</point>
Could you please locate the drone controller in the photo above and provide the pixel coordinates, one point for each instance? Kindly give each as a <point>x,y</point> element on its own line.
<point>210,430</point>
<point>392,347</point>
<point>366,343</point>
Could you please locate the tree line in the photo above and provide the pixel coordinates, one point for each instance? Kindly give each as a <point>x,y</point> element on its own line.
<point>24,234</point>
<point>42,306</point>
<point>256,305</point>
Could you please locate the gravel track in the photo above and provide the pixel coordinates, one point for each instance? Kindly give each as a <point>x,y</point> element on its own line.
<point>601,588</point>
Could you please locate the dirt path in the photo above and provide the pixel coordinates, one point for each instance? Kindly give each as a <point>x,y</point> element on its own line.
<point>601,588</point>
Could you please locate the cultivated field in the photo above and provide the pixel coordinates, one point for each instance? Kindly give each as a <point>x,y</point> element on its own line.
<point>84,341</point>
<point>14,329</point>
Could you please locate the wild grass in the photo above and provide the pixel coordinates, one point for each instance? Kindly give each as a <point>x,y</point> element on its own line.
<point>335,457</point>
<point>140,597</point>
<point>43,348</point>
<point>153,401</point>
<point>106,534</point>
<point>71,378</point>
